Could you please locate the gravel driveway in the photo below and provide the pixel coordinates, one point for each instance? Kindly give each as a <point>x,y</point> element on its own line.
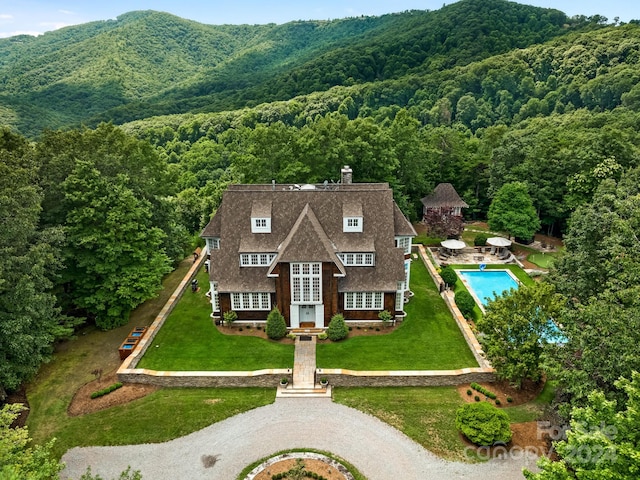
<point>379,451</point>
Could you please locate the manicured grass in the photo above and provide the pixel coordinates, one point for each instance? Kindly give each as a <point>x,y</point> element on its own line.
<point>427,415</point>
<point>428,338</point>
<point>533,410</point>
<point>188,341</point>
<point>542,259</point>
<point>161,416</point>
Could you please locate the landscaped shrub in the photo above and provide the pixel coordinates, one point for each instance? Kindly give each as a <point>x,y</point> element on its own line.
<point>104,391</point>
<point>469,392</point>
<point>484,391</point>
<point>229,317</point>
<point>483,424</point>
<point>476,398</point>
<point>449,276</point>
<point>276,327</point>
<point>509,399</point>
<point>322,336</point>
<point>385,317</point>
<point>498,402</point>
<point>465,302</point>
<point>481,239</point>
<point>337,329</point>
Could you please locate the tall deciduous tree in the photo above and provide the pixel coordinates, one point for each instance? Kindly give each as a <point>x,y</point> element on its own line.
<point>115,252</point>
<point>29,258</point>
<point>599,274</point>
<point>512,211</point>
<point>515,329</point>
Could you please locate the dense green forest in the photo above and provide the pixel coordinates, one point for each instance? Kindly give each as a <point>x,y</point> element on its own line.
<point>117,139</point>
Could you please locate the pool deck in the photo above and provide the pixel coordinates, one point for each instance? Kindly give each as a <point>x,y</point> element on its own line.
<point>473,256</point>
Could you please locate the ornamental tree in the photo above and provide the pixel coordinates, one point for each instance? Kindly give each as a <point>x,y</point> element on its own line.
<point>512,211</point>
<point>515,328</point>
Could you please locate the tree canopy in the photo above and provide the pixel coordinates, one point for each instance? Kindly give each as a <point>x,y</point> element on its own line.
<point>512,211</point>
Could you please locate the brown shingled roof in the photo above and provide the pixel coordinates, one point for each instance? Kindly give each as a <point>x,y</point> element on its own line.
<point>444,196</point>
<point>307,225</point>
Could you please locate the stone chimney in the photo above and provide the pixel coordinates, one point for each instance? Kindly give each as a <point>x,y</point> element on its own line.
<point>346,175</point>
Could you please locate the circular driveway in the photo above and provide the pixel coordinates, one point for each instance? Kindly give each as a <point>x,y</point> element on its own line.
<point>378,450</point>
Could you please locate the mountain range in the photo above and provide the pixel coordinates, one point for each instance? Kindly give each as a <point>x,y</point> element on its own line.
<point>149,63</point>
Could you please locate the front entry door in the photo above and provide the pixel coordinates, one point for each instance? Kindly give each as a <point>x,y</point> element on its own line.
<point>307,316</point>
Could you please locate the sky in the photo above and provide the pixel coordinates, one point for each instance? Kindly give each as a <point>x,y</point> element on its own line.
<point>35,17</point>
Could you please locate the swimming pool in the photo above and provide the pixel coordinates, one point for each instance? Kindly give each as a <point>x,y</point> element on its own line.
<point>487,284</point>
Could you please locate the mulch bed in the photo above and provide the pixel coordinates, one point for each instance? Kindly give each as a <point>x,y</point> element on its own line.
<point>82,403</point>
<point>526,434</point>
<point>310,465</point>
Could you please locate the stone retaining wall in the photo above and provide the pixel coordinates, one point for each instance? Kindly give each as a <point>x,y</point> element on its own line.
<point>259,378</point>
<point>420,378</point>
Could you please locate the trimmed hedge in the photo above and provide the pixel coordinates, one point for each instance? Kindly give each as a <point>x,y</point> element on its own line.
<point>484,391</point>
<point>465,302</point>
<point>104,391</point>
<point>449,276</point>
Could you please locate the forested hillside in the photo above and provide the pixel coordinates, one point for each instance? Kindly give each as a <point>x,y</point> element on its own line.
<point>152,63</point>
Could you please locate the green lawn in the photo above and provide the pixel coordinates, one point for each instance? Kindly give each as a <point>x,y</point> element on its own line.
<point>428,338</point>
<point>163,415</point>
<point>427,415</point>
<point>542,259</point>
<point>188,341</point>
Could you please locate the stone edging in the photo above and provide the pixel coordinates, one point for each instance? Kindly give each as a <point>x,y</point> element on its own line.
<point>302,455</point>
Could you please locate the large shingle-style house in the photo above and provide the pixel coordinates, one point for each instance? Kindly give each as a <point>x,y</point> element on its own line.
<point>311,250</point>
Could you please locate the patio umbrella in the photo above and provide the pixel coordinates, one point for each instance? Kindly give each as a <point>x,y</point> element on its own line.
<point>498,242</point>
<point>453,244</point>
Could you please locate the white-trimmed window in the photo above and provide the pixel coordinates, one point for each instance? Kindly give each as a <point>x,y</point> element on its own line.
<point>404,243</point>
<point>215,299</point>
<point>400,297</point>
<point>352,224</point>
<point>256,259</point>
<point>260,225</point>
<point>251,301</point>
<point>357,259</point>
<point>306,283</point>
<point>363,300</point>
<point>213,244</point>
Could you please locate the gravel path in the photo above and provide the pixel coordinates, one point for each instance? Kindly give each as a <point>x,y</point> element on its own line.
<point>379,451</point>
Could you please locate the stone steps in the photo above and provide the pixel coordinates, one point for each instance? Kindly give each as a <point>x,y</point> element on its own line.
<point>306,331</point>
<point>311,392</point>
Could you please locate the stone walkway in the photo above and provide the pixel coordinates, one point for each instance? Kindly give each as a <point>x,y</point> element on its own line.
<point>378,450</point>
<point>304,362</point>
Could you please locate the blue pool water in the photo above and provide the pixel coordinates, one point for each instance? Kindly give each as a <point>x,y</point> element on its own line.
<point>488,283</point>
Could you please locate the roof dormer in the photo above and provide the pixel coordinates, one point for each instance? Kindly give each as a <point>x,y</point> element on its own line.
<point>352,221</point>
<point>261,217</point>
